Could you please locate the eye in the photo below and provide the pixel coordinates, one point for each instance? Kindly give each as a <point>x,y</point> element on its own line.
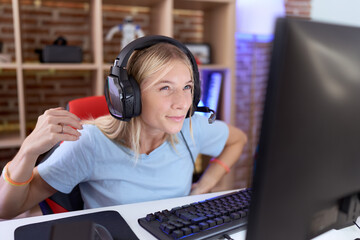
<point>164,88</point>
<point>188,87</point>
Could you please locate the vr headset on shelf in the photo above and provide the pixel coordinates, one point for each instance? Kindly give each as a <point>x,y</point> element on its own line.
<point>60,52</point>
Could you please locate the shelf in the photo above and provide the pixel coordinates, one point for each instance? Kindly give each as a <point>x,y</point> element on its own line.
<point>106,66</point>
<point>133,3</point>
<point>8,66</point>
<point>59,66</point>
<point>45,66</point>
<point>204,5</point>
<point>11,140</point>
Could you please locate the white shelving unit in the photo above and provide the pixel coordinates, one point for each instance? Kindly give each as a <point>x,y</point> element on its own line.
<point>219,32</point>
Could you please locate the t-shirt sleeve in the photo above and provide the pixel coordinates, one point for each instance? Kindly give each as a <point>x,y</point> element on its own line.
<point>210,138</point>
<point>70,163</point>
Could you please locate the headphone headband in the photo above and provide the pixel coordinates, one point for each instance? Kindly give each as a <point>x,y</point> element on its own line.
<point>148,41</point>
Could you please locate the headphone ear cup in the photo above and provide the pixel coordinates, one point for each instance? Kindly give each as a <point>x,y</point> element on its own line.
<point>137,96</point>
<point>122,94</point>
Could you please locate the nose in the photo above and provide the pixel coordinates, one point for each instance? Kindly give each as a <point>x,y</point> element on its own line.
<point>181,99</point>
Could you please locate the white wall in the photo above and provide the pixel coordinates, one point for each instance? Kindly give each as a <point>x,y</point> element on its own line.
<point>336,11</point>
<point>258,16</point>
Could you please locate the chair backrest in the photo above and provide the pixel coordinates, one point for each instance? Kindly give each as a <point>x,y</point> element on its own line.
<point>84,108</point>
<point>88,107</point>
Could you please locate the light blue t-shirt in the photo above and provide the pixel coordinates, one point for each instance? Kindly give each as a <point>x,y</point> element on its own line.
<point>108,175</point>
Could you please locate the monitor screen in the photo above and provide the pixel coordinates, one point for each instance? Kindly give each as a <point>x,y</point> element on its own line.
<point>307,170</point>
<point>211,84</point>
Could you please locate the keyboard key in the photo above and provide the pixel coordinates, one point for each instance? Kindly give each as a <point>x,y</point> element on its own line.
<point>198,219</point>
<point>210,216</point>
<point>150,217</point>
<point>242,214</point>
<point>167,228</point>
<point>217,214</point>
<point>176,224</point>
<point>177,234</point>
<point>203,225</point>
<point>187,216</point>
<point>193,212</point>
<point>232,210</point>
<point>235,215</point>
<point>166,213</point>
<point>224,212</point>
<point>186,223</point>
<point>173,210</point>
<point>226,219</point>
<point>218,220</point>
<point>194,228</point>
<point>186,230</point>
<point>162,218</point>
<point>211,223</point>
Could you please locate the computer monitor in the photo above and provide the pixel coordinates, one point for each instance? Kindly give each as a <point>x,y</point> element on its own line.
<point>307,170</point>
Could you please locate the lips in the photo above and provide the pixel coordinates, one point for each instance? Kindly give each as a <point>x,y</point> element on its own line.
<point>176,118</point>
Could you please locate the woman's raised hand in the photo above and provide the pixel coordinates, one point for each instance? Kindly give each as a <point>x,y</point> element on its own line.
<point>55,125</point>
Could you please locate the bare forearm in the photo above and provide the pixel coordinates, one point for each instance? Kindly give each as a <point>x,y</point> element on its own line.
<point>229,156</point>
<point>12,198</point>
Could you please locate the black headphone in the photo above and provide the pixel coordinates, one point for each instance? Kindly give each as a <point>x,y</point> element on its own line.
<point>122,91</point>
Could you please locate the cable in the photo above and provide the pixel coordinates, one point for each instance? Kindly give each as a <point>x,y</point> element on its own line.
<point>227,237</point>
<point>356,225</point>
<point>187,146</point>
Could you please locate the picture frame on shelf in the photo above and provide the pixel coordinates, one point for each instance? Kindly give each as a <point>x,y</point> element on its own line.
<point>201,52</point>
<point>4,58</point>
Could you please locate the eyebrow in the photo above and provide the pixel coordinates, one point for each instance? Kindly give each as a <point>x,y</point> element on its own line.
<point>167,81</point>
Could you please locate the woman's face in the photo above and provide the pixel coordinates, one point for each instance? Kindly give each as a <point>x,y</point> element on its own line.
<point>166,103</point>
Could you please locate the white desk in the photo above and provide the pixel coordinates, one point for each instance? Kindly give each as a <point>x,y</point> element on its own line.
<point>132,212</point>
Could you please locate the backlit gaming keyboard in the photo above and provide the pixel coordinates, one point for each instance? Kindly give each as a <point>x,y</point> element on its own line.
<point>210,218</point>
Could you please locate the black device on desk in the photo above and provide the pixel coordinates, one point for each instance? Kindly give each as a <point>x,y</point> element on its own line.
<point>80,230</point>
<point>104,225</point>
<point>307,178</point>
<point>208,219</point>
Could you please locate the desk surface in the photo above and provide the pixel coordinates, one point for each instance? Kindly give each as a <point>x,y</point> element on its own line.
<point>132,212</point>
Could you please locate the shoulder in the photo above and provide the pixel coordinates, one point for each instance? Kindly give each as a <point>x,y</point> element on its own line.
<point>90,130</point>
<point>196,119</point>
<point>202,129</point>
<point>90,136</point>
<point>208,138</point>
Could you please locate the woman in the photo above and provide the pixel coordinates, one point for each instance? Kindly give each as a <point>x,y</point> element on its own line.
<point>117,162</point>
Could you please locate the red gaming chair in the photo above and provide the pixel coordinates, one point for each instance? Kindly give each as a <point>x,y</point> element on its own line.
<point>88,107</point>
<point>84,108</point>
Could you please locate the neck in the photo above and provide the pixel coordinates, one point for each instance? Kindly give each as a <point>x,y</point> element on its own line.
<point>149,143</point>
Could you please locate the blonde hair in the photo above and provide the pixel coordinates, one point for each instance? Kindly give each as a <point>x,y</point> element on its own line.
<point>142,65</point>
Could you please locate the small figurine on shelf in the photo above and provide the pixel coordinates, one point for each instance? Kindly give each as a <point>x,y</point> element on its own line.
<point>130,31</point>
